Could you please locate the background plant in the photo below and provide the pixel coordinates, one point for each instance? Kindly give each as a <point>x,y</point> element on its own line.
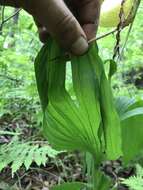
<point>19,103</point>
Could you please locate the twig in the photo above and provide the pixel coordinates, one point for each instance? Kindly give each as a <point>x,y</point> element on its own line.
<point>2,17</point>
<point>130,28</point>
<point>7,19</point>
<point>102,36</point>
<point>45,171</point>
<point>10,17</point>
<point>126,40</point>
<point>119,29</point>
<point>19,181</point>
<point>2,14</point>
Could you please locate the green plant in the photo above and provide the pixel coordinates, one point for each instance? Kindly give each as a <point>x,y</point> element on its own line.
<point>16,153</point>
<point>18,87</point>
<point>92,122</point>
<point>131,116</point>
<point>87,123</point>
<point>110,11</point>
<point>135,182</point>
<point>70,186</point>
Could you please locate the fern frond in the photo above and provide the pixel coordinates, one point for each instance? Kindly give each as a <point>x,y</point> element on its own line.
<point>135,182</point>
<point>18,153</point>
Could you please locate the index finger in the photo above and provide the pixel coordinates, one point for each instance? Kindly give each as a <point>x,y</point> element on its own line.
<point>88,12</point>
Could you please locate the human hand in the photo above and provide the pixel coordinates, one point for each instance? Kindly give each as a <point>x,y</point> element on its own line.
<point>55,18</point>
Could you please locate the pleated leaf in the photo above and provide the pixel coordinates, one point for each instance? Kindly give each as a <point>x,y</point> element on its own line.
<point>132,135</point>
<point>131,116</point>
<point>70,186</point>
<point>69,125</point>
<point>41,72</point>
<point>91,121</point>
<point>110,119</point>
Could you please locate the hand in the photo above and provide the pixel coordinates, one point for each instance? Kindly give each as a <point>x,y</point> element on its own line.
<point>54,18</point>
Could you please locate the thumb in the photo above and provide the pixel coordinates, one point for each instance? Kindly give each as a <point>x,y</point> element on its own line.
<point>60,23</point>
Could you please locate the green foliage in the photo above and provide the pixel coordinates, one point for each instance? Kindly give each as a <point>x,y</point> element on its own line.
<point>131,116</point>
<point>112,67</point>
<point>18,153</point>
<point>67,124</point>
<point>70,186</point>
<point>18,94</point>
<point>132,131</point>
<point>17,80</point>
<point>130,60</point>
<point>135,182</point>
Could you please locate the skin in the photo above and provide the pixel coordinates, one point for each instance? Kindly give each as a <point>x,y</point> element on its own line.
<point>72,23</point>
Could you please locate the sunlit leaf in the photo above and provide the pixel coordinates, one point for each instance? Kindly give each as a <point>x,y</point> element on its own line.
<point>80,124</point>
<point>132,135</point>
<point>70,186</point>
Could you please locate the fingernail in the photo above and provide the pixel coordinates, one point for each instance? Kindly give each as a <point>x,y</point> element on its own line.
<point>80,46</point>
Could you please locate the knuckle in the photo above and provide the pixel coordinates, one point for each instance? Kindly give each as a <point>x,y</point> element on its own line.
<point>68,30</point>
<point>66,24</point>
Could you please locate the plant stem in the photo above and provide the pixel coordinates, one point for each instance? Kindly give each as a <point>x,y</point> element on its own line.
<point>98,181</point>
<point>96,175</point>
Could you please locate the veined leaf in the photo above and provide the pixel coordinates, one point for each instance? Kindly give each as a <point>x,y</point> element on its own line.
<point>123,104</point>
<point>110,119</point>
<point>70,186</point>
<point>131,116</point>
<point>132,113</point>
<point>41,71</point>
<point>71,125</point>
<point>132,130</point>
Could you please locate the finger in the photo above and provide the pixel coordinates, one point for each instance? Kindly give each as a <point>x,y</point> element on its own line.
<point>61,24</point>
<point>43,32</point>
<point>88,12</point>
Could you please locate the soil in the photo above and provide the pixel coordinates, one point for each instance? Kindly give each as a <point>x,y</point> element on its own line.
<point>67,167</point>
<point>134,77</point>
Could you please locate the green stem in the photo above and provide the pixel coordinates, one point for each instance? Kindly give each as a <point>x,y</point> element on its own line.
<point>96,175</point>
<point>98,180</point>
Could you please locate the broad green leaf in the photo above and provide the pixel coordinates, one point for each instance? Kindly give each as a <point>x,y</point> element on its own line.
<point>131,116</point>
<point>133,112</point>
<point>80,124</point>
<point>70,186</point>
<point>136,104</point>
<point>132,135</point>
<point>85,85</point>
<point>123,104</point>
<point>111,67</point>
<point>110,119</point>
<point>41,71</point>
<point>67,124</point>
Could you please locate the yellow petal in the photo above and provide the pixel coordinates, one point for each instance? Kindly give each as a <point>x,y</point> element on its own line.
<point>110,11</point>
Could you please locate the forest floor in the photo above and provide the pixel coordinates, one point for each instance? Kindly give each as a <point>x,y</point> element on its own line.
<point>66,167</point>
